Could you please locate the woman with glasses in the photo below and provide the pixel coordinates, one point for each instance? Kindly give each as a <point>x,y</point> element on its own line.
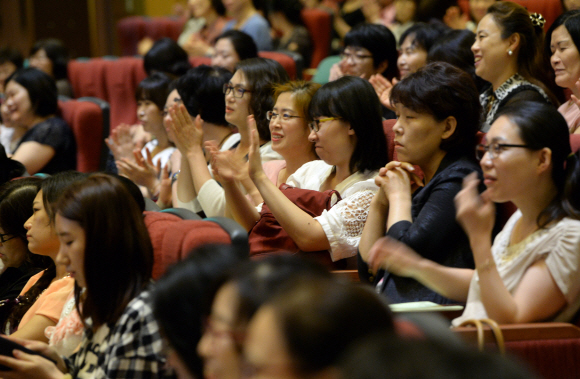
<point>348,137</point>
<point>438,111</point>
<point>249,92</point>
<point>531,272</point>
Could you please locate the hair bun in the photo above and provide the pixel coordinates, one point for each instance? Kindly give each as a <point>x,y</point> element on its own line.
<point>538,20</point>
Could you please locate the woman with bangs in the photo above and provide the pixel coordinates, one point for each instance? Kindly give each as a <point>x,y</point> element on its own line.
<point>348,137</point>
<point>439,113</point>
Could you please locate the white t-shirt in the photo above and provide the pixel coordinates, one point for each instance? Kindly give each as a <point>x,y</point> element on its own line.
<point>343,223</point>
<point>162,156</point>
<point>558,244</point>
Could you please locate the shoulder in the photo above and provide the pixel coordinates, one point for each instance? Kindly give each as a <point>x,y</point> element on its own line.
<point>257,21</point>
<point>230,141</point>
<point>457,170</point>
<point>310,175</point>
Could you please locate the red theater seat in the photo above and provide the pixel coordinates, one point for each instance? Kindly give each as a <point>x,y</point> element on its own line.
<point>89,123</point>
<point>319,25</point>
<point>173,238</point>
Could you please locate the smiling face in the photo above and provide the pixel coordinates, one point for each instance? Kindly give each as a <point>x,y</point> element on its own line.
<point>265,352</point>
<point>511,173</point>
<point>12,252</point>
<point>225,55</point>
<point>290,136</point>
<point>42,238</point>
<point>172,98</point>
<point>217,346</point>
<point>238,109</point>
<point>490,52</point>
<point>72,248</point>
<point>17,106</point>
<point>565,58</point>
<point>411,58</point>
<point>418,136</point>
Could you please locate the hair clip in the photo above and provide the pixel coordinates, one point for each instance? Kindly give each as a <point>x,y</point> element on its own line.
<point>538,20</point>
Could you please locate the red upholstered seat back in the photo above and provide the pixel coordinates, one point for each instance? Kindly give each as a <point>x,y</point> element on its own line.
<point>285,60</point>
<point>87,77</point>
<point>86,121</point>
<point>122,76</point>
<point>198,61</point>
<point>130,30</point>
<point>319,25</point>
<point>173,238</point>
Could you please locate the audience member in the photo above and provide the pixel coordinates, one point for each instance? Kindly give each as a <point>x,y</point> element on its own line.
<point>508,54</point>
<point>151,95</point>
<point>205,25</point>
<point>9,168</point>
<point>562,41</point>
<point>348,137</point>
<point>51,56</point>
<point>477,10</point>
<point>19,263</point>
<point>417,41</point>
<point>570,5</point>
<point>439,114</point>
<point>530,273</point>
<point>248,92</point>
<point>231,47</point>
<point>179,299</point>
<point>42,299</point>
<point>201,118</point>
<point>304,330</point>
<point>405,11</point>
<point>446,12</point>
<point>41,141</point>
<point>98,222</point>
<point>246,18</point>
<point>290,33</point>
<point>454,47</point>
<point>235,300</point>
<point>168,57</point>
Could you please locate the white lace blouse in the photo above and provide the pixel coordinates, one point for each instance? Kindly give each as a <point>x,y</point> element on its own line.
<point>343,224</point>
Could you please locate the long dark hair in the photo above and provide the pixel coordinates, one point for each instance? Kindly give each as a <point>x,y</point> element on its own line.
<point>541,125</point>
<point>117,246</point>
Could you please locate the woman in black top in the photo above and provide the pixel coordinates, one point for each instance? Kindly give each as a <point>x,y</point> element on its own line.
<point>43,142</point>
<point>438,118</point>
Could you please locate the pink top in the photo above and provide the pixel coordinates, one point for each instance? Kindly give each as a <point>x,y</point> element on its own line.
<point>571,113</point>
<point>50,302</point>
<point>272,170</point>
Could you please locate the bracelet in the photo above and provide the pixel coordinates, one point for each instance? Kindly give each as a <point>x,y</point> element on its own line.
<point>487,265</point>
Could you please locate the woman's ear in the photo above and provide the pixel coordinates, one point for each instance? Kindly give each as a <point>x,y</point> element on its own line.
<point>514,42</point>
<point>450,123</point>
<point>544,159</point>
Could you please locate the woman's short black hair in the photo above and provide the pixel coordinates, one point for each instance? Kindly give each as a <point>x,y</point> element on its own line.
<point>58,54</point>
<point>9,168</point>
<point>424,35</point>
<point>201,91</point>
<point>41,89</point>
<point>53,186</point>
<point>11,55</point>
<point>354,100</point>
<point>166,56</point>
<point>290,8</point>
<point>244,45</point>
<point>154,88</point>
<point>262,74</point>
<point>454,47</point>
<point>379,41</point>
<point>443,90</point>
<point>182,295</point>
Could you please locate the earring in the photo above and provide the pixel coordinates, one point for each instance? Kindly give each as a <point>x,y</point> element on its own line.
<point>510,53</point>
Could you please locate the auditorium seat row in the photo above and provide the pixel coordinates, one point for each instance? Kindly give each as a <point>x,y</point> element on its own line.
<point>131,30</point>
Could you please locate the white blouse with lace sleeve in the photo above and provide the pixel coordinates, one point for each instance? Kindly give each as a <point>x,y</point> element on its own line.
<point>343,224</point>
